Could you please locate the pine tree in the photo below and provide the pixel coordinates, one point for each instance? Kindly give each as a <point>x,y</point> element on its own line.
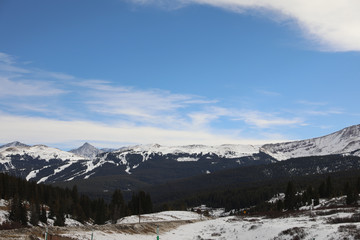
<point>148,206</point>
<point>100,212</point>
<point>34,213</point>
<point>60,216</point>
<point>86,206</point>
<point>75,195</point>
<point>322,190</point>
<point>117,206</point>
<point>309,195</point>
<point>290,198</point>
<point>18,212</point>
<point>43,215</point>
<point>358,185</point>
<point>14,213</point>
<point>279,205</point>
<point>351,195</point>
<point>329,187</point>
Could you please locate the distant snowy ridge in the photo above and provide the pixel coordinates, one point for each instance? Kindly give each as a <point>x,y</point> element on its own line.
<point>37,151</point>
<point>345,141</point>
<point>46,164</point>
<point>225,151</point>
<point>14,144</point>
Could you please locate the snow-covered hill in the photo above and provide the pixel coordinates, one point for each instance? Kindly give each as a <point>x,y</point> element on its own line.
<point>345,141</point>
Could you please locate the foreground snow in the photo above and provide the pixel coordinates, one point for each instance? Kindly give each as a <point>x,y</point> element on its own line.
<point>323,223</point>
<point>303,225</point>
<point>161,217</point>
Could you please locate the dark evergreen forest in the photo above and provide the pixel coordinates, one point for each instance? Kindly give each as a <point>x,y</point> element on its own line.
<point>45,201</point>
<point>299,191</point>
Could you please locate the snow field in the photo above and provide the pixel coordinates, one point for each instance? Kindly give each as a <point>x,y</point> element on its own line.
<point>161,217</point>
<point>232,227</point>
<point>186,225</point>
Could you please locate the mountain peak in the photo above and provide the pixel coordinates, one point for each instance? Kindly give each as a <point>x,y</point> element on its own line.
<point>14,144</point>
<point>87,150</point>
<point>86,144</point>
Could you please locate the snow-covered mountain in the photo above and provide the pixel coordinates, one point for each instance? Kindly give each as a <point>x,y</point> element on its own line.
<point>345,141</point>
<point>39,161</point>
<point>45,164</point>
<point>87,150</point>
<point>224,151</point>
<point>40,152</point>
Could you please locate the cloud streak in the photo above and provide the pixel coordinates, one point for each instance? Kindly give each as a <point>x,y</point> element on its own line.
<point>26,88</point>
<point>42,130</point>
<point>68,108</point>
<point>267,120</point>
<point>331,25</point>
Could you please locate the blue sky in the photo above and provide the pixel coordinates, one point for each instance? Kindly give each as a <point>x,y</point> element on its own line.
<point>117,73</point>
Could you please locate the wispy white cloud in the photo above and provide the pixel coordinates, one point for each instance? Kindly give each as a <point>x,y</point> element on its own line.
<point>317,108</point>
<point>26,88</point>
<point>268,93</point>
<point>20,81</point>
<point>203,119</point>
<point>251,118</point>
<point>42,130</point>
<point>312,103</point>
<point>324,112</point>
<point>332,25</point>
<point>6,58</point>
<point>267,120</point>
<point>72,108</point>
<point>151,106</point>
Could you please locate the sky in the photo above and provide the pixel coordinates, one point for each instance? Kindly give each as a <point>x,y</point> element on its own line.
<point>126,72</point>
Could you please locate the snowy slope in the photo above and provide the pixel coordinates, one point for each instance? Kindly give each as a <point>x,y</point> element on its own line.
<point>38,162</point>
<point>345,141</point>
<point>37,151</point>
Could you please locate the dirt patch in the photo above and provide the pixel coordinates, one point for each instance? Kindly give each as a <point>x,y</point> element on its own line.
<point>57,233</point>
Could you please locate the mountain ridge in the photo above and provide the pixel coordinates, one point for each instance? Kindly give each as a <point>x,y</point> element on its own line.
<point>45,164</point>
<point>344,141</point>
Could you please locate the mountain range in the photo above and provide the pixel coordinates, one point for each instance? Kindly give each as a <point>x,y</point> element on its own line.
<point>145,165</point>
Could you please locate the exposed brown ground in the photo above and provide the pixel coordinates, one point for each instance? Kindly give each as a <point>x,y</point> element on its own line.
<point>55,233</point>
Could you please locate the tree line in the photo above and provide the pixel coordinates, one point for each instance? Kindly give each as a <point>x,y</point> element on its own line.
<point>45,202</point>
<point>297,196</point>
<point>257,193</point>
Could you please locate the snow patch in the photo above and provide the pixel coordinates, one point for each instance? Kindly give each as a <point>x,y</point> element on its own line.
<point>187,159</point>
